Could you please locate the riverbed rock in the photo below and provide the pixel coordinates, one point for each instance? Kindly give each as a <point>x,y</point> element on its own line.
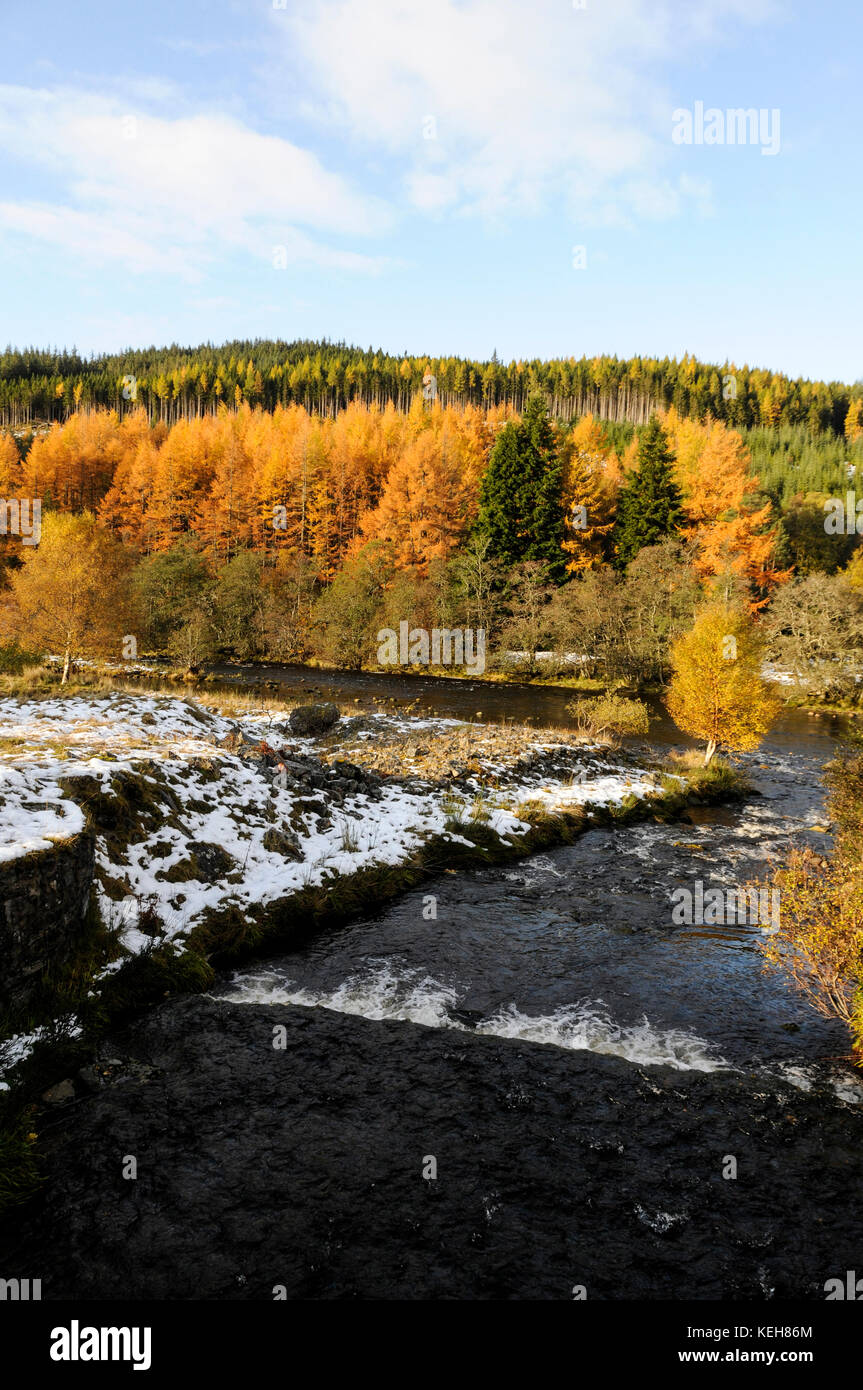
<point>300,1166</point>
<point>59,1094</point>
<point>310,721</point>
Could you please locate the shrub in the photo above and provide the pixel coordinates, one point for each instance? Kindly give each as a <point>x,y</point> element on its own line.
<point>14,659</point>
<point>819,944</point>
<point>610,717</point>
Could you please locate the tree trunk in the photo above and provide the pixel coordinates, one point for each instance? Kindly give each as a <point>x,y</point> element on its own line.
<point>711,749</point>
<point>66,665</point>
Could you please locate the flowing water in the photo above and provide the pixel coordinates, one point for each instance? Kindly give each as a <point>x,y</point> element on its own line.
<point>512,1083</point>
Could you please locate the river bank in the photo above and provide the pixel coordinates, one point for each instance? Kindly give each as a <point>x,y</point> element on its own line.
<point>612,1103</point>
<point>223,835</point>
<point>579,1067</point>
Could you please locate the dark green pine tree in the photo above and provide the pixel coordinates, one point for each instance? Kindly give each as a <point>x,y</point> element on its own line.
<point>650,505</point>
<point>500,486</point>
<point>520,503</point>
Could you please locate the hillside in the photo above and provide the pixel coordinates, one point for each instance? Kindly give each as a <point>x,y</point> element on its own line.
<point>175,382</point>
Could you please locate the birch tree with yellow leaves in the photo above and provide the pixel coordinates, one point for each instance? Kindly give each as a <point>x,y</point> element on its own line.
<point>70,594</point>
<point>717,693</point>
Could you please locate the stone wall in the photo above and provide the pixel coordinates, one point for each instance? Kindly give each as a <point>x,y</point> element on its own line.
<point>44,897</point>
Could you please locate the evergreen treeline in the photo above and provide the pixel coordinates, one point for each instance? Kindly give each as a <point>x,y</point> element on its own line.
<point>174,383</point>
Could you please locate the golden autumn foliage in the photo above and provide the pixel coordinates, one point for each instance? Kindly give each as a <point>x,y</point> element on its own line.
<point>10,468</point>
<point>68,596</point>
<point>733,537</point>
<point>221,481</point>
<point>592,476</point>
<point>717,693</point>
<point>819,944</point>
<point>289,481</point>
<point>854,421</point>
<point>854,569</point>
<point>430,494</point>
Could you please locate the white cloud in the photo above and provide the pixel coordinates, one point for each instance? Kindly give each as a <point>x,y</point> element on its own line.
<point>530,102</point>
<point>171,193</point>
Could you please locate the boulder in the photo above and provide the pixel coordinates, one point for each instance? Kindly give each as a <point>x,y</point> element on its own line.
<point>308,721</point>
<point>206,863</point>
<point>213,861</point>
<point>280,842</point>
<point>63,1091</point>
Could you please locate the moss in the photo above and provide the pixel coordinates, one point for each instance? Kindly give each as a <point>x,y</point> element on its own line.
<point>205,863</point>
<point>114,888</point>
<point>185,871</point>
<point>153,974</point>
<point>133,809</point>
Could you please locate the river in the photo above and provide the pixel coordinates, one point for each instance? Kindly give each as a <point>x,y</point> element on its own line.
<point>545,1087</point>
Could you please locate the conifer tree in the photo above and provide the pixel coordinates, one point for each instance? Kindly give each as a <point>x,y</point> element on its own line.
<point>499,489</point>
<point>521,507</point>
<point>854,421</point>
<point>650,500</point>
<point>591,481</point>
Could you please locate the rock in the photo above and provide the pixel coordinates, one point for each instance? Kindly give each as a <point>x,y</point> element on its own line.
<point>468,1017</point>
<point>358,724</point>
<point>342,768</point>
<point>206,863</point>
<point>57,1095</point>
<point>213,861</point>
<point>232,741</point>
<point>90,1077</point>
<point>308,721</point>
<point>279,842</point>
<point>297,769</point>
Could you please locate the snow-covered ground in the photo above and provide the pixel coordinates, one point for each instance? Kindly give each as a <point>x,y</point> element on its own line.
<point>222,799</point>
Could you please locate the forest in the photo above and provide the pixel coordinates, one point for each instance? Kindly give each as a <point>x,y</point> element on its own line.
<point>179,383</point>
<point>295,534</point>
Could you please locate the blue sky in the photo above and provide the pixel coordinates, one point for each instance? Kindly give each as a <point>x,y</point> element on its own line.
<point>427,169</point>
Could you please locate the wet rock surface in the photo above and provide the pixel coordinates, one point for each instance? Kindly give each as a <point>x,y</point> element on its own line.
<point>302,1166</point>
<point>310,720</point>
